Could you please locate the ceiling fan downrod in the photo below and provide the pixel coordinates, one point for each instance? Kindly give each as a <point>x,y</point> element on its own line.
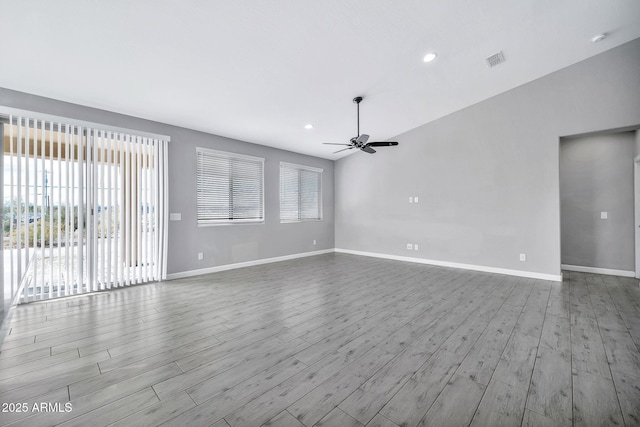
<point>357,100</point>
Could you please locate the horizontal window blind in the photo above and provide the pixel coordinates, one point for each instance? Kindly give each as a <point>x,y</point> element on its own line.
<point>84,207</point>
<point>300,193</point>
<point>229,187</point>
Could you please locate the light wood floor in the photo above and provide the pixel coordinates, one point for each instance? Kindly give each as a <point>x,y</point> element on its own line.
<point>332,340</point>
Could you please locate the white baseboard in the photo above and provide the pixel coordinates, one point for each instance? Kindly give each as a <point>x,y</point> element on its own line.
<point>208,270</point>
<point>519,273</point>
<point>595,270</point>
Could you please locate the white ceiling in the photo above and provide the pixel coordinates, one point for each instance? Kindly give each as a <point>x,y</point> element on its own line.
<point>260,70</point>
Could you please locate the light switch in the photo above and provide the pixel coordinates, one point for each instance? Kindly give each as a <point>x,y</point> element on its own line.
<point>410,199</point>
<point>415,199</point>
<point>175,216</point>
<point>604,215</point>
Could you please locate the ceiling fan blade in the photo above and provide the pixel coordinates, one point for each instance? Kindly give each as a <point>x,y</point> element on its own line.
<point>333,143</point>
<point>348,148</point>
<point>367,149</point>
<point>362,139</point>
<point>382,144</point>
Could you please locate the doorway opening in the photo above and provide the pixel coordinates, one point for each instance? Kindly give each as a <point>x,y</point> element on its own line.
<point>597,203</point>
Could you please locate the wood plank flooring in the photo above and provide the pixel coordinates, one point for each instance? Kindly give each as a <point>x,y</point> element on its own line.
<point>330,340</point>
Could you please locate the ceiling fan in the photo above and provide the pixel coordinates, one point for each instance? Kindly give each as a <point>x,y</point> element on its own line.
<point>360,141</point>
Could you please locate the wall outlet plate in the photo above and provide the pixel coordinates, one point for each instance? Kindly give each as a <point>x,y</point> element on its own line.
<point>523,257</point>
<point>409,246</point>
<point>415,247</point>
<point>200,256</point>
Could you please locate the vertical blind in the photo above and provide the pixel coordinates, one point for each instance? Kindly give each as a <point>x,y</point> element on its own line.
<point>229,187</point>
<point>85,208</point>
<point>300,193</point>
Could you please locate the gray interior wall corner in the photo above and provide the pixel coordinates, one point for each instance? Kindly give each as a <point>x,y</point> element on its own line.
<point>221,245</point>
<point>488,175</point>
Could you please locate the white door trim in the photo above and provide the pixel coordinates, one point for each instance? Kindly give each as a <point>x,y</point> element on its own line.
<point>636,198</point>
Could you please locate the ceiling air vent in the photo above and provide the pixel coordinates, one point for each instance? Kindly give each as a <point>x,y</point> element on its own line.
<point>495,59</point>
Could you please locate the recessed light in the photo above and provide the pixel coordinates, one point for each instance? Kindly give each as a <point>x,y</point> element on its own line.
<point>430,56</point>
<point>598,38</point>
<point>308,126</point>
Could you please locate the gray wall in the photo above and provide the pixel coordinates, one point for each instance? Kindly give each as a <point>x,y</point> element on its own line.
<point>221,245</point>
<point>487,176</point>
<point>596,175</point>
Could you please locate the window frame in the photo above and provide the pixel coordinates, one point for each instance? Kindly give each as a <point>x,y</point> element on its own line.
<point>231,156</point>
<point>300,168</point>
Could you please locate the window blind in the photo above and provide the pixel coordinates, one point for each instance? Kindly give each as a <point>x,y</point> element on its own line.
<point>85,207</point>
<point>300,193</point>
<point>229,187</point>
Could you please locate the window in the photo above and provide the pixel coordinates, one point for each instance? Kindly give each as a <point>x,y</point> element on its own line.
<point>230,187</point>
<point>300,193</point>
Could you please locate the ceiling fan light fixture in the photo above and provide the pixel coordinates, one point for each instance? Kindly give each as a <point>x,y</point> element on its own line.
<point>430,57</point>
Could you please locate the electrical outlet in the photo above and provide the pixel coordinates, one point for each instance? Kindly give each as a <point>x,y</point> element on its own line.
<point>415,199</point>
<point>314,242</point>
<point>200,256</point>
<point>604,215</point>
<point>409,246</point>
<point>523,257</point>
<point>415,247</point>
<point>410,199</point>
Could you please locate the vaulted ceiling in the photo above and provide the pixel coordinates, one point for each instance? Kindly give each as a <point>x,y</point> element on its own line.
<point>259,71</point>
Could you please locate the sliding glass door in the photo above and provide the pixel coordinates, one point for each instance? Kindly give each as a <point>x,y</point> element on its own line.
<point>83,208</point>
